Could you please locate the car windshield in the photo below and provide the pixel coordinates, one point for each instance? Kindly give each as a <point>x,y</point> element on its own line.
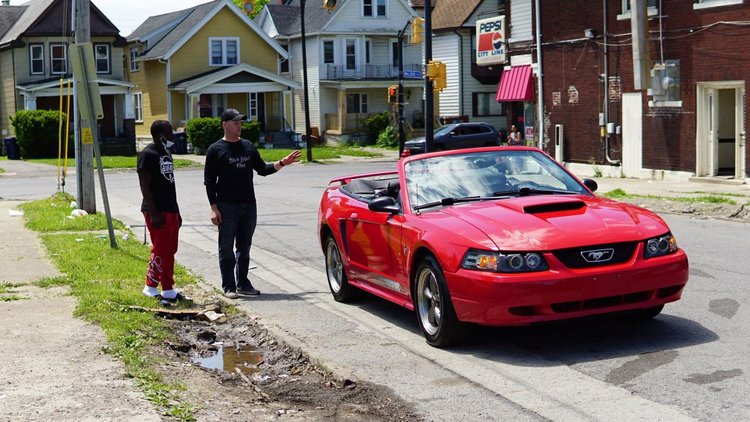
<point>444,129</point>
<point>449,179</point>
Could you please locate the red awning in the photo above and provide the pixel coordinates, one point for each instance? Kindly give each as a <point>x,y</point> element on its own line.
<point>515,84</point>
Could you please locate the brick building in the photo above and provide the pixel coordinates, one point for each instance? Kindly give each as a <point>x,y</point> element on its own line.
<point>692,119</point>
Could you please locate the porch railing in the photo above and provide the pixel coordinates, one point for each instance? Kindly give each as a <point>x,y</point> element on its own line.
<point>366,71</point>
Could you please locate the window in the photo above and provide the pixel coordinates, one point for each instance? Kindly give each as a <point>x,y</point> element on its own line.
<point>652,4</point>
<point>36,59</point>
<point>484,104</point>
<point>356,103</point>
<point>58,59</point>
<point>328,52</point>
<point>134,65</point>
<point>211,105</point>
<point>374,8</point>
<point>284,65</point>
<point>138,105</point>
<point>368,48</point>
<point>252,106</point>
<point>394,54</point>
<point>351,54</point>
<point>101,52</point>
<point>224,51</point>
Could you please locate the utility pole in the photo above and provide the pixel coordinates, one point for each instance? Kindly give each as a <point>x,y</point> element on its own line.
<point>401,134</point>
<point>429,112</point>
<point>84,149</point>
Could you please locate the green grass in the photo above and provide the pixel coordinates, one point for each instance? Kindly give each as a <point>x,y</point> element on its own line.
<point>6,287</point>
<point>11,298</point>
<point>114,162</point>
<point>106,281</point>
<point>50,215</point>
<point>706,199</point>
<point>318,153</point>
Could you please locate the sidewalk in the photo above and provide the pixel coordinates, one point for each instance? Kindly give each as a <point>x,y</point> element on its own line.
<point>52,366</point>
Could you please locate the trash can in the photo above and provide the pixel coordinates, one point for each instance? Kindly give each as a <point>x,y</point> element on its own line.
<point>180,143</point>
<point>11,148</point>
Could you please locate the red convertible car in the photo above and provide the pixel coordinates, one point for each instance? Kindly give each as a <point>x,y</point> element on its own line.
<point>494,236</point>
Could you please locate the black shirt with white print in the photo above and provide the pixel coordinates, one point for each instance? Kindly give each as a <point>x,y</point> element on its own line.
<point>156,160</point>
<point>228,174</point>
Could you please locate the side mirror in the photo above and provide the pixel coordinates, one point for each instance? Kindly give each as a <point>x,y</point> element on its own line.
<point>591,184</point>
<point>384,204</point>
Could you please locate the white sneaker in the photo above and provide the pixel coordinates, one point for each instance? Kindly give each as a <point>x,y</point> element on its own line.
<point>171,294</point>
<point>150,291</point>
<point>231,295</point>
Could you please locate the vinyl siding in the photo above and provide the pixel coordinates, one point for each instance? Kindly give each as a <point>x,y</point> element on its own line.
<point>349,19</point>
<point>7,92</point>
<point>151,80</point>
<point>444,48</point>
<point>521,18</point>
<point>314,51</point>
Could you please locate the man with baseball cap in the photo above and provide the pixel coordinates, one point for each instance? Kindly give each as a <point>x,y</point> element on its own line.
<point>228,177</point>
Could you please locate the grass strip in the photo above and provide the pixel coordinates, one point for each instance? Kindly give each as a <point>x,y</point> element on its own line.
<point>114,162</point>
<point>54,214</point>
<point>105,281</point>
<point>620,194</point>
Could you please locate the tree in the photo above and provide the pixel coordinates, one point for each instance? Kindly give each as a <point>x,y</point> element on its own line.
<point>258,6</point>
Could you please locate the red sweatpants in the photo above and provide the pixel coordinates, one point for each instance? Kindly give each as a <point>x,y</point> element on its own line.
<point>163,247</point>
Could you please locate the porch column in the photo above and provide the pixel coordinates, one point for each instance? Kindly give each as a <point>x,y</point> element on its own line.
<point>342,110</point>
<point>193,100</point>
<point>29,102</point>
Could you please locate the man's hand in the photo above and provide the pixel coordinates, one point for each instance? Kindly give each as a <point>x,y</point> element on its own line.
<point>157,219</point>
<point>215,215</point>
<point>293,157</point>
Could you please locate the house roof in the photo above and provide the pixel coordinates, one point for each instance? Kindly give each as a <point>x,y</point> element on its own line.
<point>452,14</point>
<point>242,72</point>
<point>164,34</point>
<point>286,17</point>
<point>39,17</point>
<point>419,4</point>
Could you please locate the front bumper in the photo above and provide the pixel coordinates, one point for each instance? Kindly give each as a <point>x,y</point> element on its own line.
<point>563,293</point>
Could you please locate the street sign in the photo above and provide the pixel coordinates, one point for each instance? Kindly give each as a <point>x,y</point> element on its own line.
<point>413,74</point>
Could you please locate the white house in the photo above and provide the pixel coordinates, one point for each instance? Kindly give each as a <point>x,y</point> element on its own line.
<point>352,58</point>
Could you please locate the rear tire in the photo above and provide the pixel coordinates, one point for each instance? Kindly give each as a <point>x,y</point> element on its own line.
<point>338,282</point>
<point>435,314</point>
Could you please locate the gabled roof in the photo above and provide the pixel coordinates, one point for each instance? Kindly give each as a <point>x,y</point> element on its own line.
<point>251,74</point>
<point>164,34</point>
<point>15,21</point>
<point>452,14</point>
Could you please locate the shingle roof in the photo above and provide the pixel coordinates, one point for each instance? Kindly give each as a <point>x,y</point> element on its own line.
<point>452,14</point>
<point>181,23</point>
<point>287,17</point>
<point>8,16</point>
<point>32,10</point>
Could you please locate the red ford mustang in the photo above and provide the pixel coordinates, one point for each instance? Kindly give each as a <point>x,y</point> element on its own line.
<point>494,236</point>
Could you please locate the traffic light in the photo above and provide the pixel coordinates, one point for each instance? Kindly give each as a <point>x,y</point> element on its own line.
<point>329,5</point>
<point>417,30</point>
<point>393,94</point>
<point>436,71</point>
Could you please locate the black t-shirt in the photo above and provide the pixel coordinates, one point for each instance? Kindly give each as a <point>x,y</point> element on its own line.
<point>157,161</point>
<point>228,174</point>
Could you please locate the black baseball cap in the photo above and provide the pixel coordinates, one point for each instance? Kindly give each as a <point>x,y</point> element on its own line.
<point>231,114</point>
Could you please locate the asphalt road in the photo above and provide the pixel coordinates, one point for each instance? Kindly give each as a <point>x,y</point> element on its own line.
<point>690,363</point>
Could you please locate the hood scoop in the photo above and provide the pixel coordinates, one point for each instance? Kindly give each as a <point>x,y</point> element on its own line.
<point>554,207</point>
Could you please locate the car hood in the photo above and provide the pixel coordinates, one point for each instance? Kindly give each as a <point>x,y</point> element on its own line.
<point>558,222</point>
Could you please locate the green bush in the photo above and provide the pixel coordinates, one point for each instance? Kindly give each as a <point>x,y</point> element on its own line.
<point>387,138</point>
<point>37,132</point>
<point>376,124</point>
<point>251,131</point>
<point>204,131</point>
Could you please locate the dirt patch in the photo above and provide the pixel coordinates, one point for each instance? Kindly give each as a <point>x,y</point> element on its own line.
<point>721,211</point>
<point>277,382</point>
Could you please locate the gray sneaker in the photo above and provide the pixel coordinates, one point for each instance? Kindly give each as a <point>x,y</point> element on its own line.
<point>248,291</point>
<point>231,295</point>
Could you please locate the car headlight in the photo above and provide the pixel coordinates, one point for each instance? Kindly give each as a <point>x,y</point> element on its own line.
<point>659,246</point>
<point>518,262</point>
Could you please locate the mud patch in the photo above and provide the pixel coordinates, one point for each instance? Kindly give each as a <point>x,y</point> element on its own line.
<point>277,382</point>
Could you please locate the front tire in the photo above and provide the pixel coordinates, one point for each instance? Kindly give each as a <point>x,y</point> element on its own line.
<point>649,313</point>
<point>435,314</point>
<point>338,282</point>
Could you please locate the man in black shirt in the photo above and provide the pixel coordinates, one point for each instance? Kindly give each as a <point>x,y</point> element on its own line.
<point>228,177</point>
<point>159,207</point>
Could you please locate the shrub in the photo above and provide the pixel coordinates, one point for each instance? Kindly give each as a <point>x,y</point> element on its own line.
<point>37,132</point>
<point>251,131</point>
<point>387,138</point>
<point>376,124</point>
<point>204,131</point>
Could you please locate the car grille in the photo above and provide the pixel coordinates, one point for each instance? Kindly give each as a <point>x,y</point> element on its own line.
<point>598,255</point>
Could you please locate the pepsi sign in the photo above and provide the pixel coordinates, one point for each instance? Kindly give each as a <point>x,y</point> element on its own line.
<point>491,41</point>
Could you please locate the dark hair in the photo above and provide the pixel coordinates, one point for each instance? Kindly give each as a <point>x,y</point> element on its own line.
<point>159,127</point>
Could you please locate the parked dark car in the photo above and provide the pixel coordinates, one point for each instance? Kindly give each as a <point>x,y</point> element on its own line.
<point>457,135</point>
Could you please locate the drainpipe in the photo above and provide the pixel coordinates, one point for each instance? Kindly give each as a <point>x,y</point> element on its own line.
<point>606,91</point>
<point>540,79</point>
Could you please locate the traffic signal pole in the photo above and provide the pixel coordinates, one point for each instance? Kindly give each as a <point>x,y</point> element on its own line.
<point>428,93</point>
<point>401,89</point>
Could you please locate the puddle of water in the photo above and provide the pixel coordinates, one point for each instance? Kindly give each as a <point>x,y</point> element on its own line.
<point>246,358</point>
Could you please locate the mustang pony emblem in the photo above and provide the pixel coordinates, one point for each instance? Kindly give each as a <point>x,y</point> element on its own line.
<point>598,255</point>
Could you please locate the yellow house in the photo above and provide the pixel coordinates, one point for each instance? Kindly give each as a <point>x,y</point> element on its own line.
<point>199,61</point>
